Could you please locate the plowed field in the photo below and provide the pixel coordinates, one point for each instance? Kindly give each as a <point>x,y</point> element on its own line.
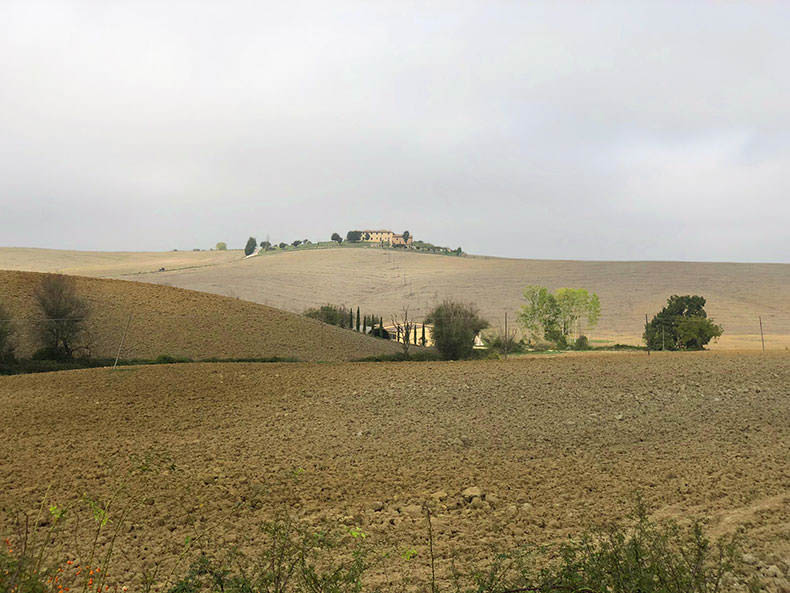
<point>146,321</point>
<point>555,444</point>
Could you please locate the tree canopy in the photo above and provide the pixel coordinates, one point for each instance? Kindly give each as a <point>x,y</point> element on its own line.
<point>249,248</point>
<point>682,324</point>
<point>337,238</point>
<point>558,316</point>
<point>455,326</point>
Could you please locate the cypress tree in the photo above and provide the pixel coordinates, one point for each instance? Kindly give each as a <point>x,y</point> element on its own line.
<point>423,333</point>
<point>351,319</point>
<point>358,322</point>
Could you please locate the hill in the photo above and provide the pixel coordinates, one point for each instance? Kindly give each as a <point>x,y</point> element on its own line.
<point>178,322</point>
<point>383,281</point>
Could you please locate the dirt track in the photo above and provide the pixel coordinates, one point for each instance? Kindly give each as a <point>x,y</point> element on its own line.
<point>555,443</point>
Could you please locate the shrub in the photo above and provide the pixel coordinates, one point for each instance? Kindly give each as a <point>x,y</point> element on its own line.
<point>64,314</point>
<point>221,246</point>
<point>455,326</point>
<point>337,315</point>
<point>504,344</point>
<point>337,238</point>
<point>354,236</point>
<point>581,343</point>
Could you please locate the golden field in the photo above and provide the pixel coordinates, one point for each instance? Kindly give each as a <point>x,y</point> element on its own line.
<point>381,282</point>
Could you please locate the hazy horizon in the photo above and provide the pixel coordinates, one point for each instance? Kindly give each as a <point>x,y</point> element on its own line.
<point>640,131</point>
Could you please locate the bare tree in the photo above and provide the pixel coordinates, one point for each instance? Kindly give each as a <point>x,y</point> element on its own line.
<point>404,327</point>
<point>64,313</point>
<point>6,335</point>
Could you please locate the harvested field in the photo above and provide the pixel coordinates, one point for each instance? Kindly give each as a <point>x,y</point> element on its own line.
<point>554,443</point>
<point>177,322</point>
<point>383,281</point>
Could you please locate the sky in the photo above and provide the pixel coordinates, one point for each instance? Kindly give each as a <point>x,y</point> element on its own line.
<point>554,130</point>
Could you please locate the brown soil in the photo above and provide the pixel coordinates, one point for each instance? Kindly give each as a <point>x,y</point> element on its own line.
<point>383,281</point>
<point>556,443</point>
<point>179,322</point>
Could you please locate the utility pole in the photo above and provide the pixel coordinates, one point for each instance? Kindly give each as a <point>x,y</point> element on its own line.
<point>762,338</point>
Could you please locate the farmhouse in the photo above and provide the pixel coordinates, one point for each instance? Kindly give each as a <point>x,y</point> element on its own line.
<point>385,236</point>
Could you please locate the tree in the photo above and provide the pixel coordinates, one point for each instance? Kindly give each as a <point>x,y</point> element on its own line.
<point>283,245</point>
<point>406,236</point>
<point>358,319</point>
<point>573,304</point>
<point>337,238</point>
<point>682,324</point>
<point>249,248</point>
<point>296,243</point>
<point>221,246</point>
<point>6,336</point>
<point>404,326</point>
<point>64,313</point>
<point>354,236</point>
<point>265,245</point>
<point>557,316</point>
<point>455,326</point>
<point>423,341</point>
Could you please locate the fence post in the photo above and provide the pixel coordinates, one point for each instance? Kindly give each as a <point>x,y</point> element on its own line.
<point>762,338</point>
<point>647,338</point>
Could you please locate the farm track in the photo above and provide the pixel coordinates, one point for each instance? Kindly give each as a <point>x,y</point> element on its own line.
<point>557,444</point>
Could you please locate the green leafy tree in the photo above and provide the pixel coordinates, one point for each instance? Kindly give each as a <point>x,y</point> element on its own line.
<point>221,246</point>
<point>556,317</point>
<point>282,245</point>
<point>249,248</point>
<point>296,243</point>
<point>455,326</point>
<point>573,305</point>
<point>682,324</point>
<point>406,235</point>
<point>266,245</point>
<point>354,236</point>
<point>337,238</point>
<point>358,320</point>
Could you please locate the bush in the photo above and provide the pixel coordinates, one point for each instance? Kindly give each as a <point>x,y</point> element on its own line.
<point>581,343</point>
<point>455,326</point>
<point>503,344</point>
<point>337,315</point>
<point>221,246</point>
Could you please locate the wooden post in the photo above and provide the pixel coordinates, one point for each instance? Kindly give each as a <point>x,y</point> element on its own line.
<point>123,339</point>
<point>762,338</point>
<point>507,337</point>
<point>647,338</point>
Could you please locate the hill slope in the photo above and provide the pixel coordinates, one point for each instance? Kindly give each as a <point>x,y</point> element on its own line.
<point>173,321</point>
<point>383,281</point>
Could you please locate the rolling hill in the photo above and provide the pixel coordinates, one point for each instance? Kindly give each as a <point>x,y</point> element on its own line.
<point>383,281</point>
<point>172,321</point>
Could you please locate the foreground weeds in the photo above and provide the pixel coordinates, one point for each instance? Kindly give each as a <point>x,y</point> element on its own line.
<point>640,556</point>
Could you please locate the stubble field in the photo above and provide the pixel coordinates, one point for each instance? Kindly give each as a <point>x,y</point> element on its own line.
<point>382,282</point>
<point>555,444</point>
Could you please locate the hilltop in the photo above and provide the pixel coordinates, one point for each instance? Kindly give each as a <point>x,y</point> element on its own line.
<point>383,281</point>
<point>179,322</point>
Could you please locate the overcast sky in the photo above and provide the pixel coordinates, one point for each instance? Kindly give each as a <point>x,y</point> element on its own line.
<point>584,130</point>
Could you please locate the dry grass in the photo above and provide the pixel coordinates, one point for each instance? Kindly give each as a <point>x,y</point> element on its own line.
<point>185,323</point>
<point>382,282</point>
